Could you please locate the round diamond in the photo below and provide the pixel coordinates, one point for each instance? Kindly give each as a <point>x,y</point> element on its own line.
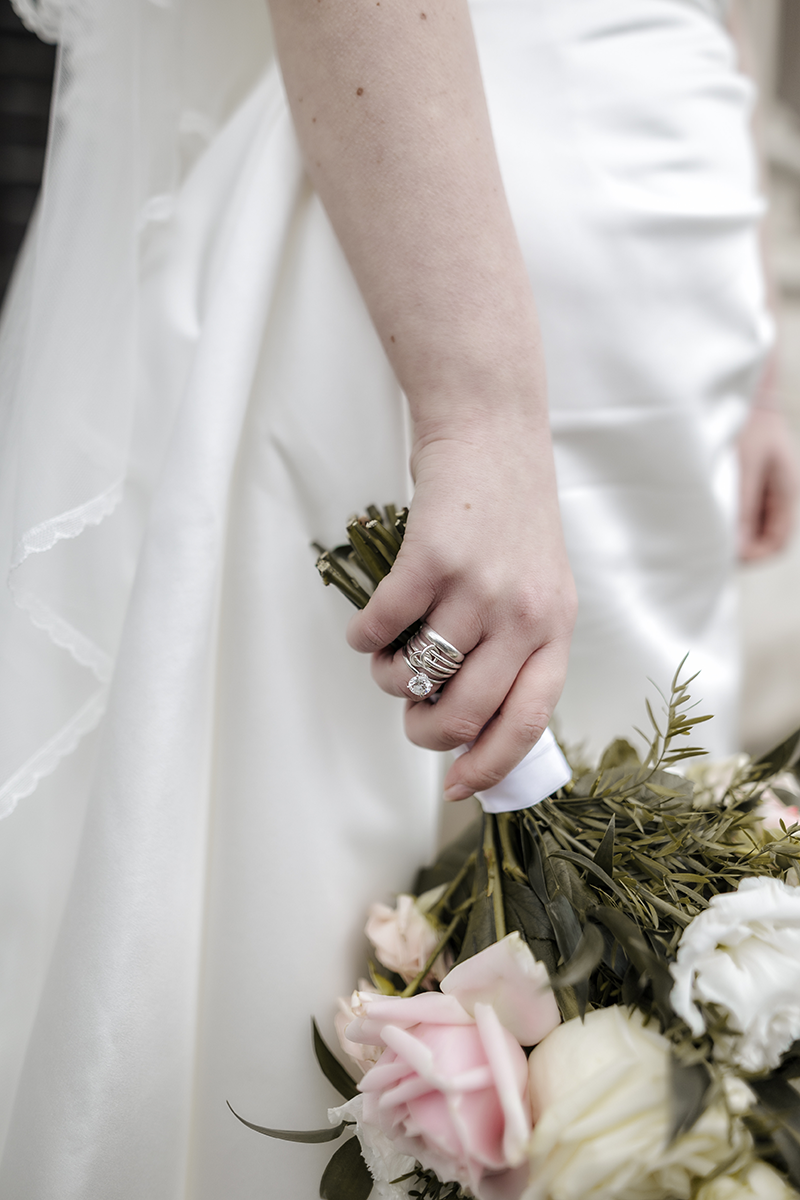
<point>420,685</point>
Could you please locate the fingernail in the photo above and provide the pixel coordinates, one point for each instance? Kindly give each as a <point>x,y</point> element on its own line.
<point>457,791</point>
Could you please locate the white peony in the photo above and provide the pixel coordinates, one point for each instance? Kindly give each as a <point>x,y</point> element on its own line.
<point>601,1101</point>
<point>743,954</point>
<point>756,1181</point>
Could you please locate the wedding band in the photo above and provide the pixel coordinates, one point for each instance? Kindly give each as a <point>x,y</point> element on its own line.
<point>431,659</point>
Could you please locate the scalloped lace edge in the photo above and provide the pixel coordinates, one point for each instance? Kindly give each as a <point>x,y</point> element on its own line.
<point>48,756</point>
<point>71,524</point>
<point>85,652</point>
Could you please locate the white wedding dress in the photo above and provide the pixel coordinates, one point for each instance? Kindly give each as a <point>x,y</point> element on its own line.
<point>210,789</point>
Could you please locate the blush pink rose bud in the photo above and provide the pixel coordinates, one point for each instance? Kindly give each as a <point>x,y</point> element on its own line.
<point>404,937</point>
<point>364,1056</point>
<point>450,1088</point>
<point>773,812</point>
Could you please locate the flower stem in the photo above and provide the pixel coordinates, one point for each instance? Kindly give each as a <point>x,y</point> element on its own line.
<point>495,876</point>
<point>509,859</point>
<point>440,945</point>
<point>454,884</point>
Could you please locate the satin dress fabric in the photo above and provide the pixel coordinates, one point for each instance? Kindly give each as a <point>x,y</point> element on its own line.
<point>189,884</point>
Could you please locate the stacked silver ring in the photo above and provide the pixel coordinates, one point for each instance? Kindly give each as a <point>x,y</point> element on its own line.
<point>431,659</point>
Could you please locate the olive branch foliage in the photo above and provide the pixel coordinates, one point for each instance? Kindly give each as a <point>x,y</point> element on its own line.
<point>600,880</point>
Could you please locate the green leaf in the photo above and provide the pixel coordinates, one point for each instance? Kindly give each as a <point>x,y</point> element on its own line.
<point>777,759</point>
<point>604,854</point>
<point>586,958</point>
<point>594,869</point>
<point>535,868</point>
<point>567,929</point>
<point>781,1099</point>
<point>480,931</point>
<point>450,861</point>
<point>566,925</point>
<point>332,1069</point>
<point>346,1176</point>
<point>689,1088</point>
<point>646,962</point>
<point>307,1136</point>
<point>789,1148</point>
<point>619,754</point>
<point>525,912</point>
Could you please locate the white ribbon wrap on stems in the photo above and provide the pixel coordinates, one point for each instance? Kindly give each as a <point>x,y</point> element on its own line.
<point>542,771</point>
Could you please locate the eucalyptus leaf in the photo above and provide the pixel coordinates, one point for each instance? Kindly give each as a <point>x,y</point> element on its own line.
<point>632,989</point>
<point>306,1136</point>
<point>594,869</point>
<point>480,931</point>
<point>525,912</point>
<point>566,925</point>
<point>346,1176</point>
<point>620,753</point>
<point>648,964</point>
<point>604,854</point>
<point>567,929</point>
<point>789,1148</point>
<point>332,1069</point>
<point>689,1087</point>
<point>586,958</point>
<point>778,758</point>
<point>535,867</point>
<point>779,1097</point>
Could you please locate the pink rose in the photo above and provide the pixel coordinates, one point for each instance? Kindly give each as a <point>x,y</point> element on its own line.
<point>450,1088</point>
<point>405,937</point>
<point>364,1056</point>
<point>772,811</point>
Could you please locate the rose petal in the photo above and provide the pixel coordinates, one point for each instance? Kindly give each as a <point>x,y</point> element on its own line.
<point>510,1070</point>
<point>509,978</point>
<point>430,1008</point>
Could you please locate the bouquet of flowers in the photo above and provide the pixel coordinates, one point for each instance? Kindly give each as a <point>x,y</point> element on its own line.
<point>595,998</point>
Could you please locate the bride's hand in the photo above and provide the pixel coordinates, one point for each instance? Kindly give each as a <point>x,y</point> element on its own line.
<point>768,484</point>
<point>483,560</point>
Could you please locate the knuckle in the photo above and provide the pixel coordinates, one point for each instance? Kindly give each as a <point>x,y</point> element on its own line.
<point>486,777</point>
<point>456,730</point>
<point>531,726</point>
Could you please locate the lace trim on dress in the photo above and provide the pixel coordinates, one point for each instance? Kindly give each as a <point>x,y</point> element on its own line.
<point>47,758</point>
<point>42,17</point>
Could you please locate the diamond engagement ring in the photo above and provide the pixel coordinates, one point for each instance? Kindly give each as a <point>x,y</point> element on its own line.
<point>431,659</point>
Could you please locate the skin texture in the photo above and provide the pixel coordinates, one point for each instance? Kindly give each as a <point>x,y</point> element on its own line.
<point>390,112</point>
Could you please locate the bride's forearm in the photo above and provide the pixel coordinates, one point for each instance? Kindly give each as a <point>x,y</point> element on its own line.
<point>389,108</point>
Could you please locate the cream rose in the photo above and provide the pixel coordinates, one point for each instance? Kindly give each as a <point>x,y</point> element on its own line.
<point>405,937</point>
<point>601,1106</point>
<point>756,1181</point>
<point>743,954</point>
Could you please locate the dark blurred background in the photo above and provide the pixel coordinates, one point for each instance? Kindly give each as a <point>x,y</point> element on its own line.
<point>26,79</point>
